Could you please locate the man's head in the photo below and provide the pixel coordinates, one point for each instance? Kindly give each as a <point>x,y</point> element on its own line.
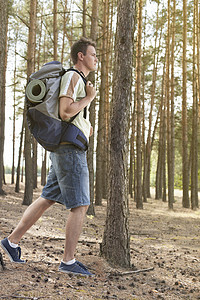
<point>80,46</point>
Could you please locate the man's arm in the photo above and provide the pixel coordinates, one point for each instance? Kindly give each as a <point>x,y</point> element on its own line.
<point>69,108</point>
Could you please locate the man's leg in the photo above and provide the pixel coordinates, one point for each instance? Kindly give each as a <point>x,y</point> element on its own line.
<point>30,216</point>
<point>73,230</point>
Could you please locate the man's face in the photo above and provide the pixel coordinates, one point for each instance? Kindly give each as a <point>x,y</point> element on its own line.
<point>90,59</point>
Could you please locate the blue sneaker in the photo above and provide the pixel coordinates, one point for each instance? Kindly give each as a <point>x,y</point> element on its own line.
<point>75,269</point>
<point>81,265</point>
<point>13,253</point>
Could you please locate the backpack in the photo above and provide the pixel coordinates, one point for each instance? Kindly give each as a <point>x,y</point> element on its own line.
<point>41,96</point>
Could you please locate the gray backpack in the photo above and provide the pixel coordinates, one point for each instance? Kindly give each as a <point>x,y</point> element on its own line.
<point>41,95</point>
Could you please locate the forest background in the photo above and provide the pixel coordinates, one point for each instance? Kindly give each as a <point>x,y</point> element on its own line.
<point>163,121</point>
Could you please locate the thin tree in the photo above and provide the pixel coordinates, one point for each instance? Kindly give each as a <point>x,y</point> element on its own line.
<point>17,186</point>
<point>116,239</point>
<point>169,158</point>
<point>146,178</point>
<point>143,112</point>
<point>14,114</point>
<point>28,192</point>
<point>139,201</point>
<point>3,59</point>
<point>198,52</point>
<point>108,86</point>
<point>164,180</point>
<point>55,29</point>
<point>160,172</point>
<point>90,156</point>
<point>84,26</point>
<point>34,158</point>
<point>185,164</point>
<point>100,171</point>
<point>172,122</point>
<point>132,150</point>
<point>65,19</point>
<point>194,143</point>
<point>44,168</point>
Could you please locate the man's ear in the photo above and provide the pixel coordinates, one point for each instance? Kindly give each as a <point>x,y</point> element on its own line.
<point>80,55</point>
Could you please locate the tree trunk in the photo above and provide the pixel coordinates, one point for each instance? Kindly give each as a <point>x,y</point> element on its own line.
<point>17,188</point>
<point>185,166</point>
<point>139,202</point>
<point>108,46</point>
<point>116,239</point>
<point>172,141</point>
<point>109,66</point>
<point>160,166</point>
<point>144,193</point>
<point>34,163</point>
<point>132,151</point>
<point>84,26</point>
<point>65,18</point>
<point>169,158</point>
<point>3,59</point>
<point>100,166</point>
<point>164,183</point>
<point>198,54</point>
<point>147,165</point>
<point>28,192</point>
<point>194,143</point>
<point>90,156</point>
<point>55,30</point>
<point>14,116</point>
<point>44,169</point>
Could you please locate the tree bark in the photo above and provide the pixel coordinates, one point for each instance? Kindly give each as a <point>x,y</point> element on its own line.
<point>194,143</point>
<point>161,144</point>
<point>17,187</point>
<point>65,19</point>
<point>132,151</point>
<point>90,156</point>
<point>44,169</point>
<point>139,201</point>
<point>147,166</point>
<point>169,158</point>
<point>144,193</point>
<point>14,115</point>
<point>185,165</point>
<point>3,59</point>
<point>35,154</point>
<point>55,29</point>
<point>28,192</point>
<point>116,239</point>
<point>84,26</point>
<point>100,153</point>
<point>172,150</point>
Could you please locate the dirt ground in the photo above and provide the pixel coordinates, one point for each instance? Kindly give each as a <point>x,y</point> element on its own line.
<point>166,241</point>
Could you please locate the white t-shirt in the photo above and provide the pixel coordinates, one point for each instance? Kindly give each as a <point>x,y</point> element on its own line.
<point>73,86</point>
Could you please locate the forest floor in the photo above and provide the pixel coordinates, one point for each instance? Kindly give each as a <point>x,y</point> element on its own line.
<point>166,241</point>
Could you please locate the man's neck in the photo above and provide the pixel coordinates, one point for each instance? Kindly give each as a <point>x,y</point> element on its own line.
<point>82,69</point>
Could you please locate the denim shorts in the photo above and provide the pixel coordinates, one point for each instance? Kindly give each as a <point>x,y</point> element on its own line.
<point>68,179</point>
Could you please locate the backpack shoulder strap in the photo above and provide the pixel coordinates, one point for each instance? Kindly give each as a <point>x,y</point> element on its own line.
<point>85,81</point>
<point>80,73</point>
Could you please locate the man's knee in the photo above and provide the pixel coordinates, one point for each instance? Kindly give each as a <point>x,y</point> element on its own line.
<point>82,209</point>
<point>47,203</point>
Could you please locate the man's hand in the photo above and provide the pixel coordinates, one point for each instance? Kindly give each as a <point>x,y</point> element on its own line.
<point>69,108</point>
<point>91,131</point>
<point>90,90</point>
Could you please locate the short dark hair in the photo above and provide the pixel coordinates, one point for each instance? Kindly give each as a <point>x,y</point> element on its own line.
<point>80,46</point>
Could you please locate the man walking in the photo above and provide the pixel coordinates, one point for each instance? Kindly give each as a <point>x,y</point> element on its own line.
<point>68,179</point>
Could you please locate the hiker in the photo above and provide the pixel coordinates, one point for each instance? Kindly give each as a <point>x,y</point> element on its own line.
<point>68,179</point>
